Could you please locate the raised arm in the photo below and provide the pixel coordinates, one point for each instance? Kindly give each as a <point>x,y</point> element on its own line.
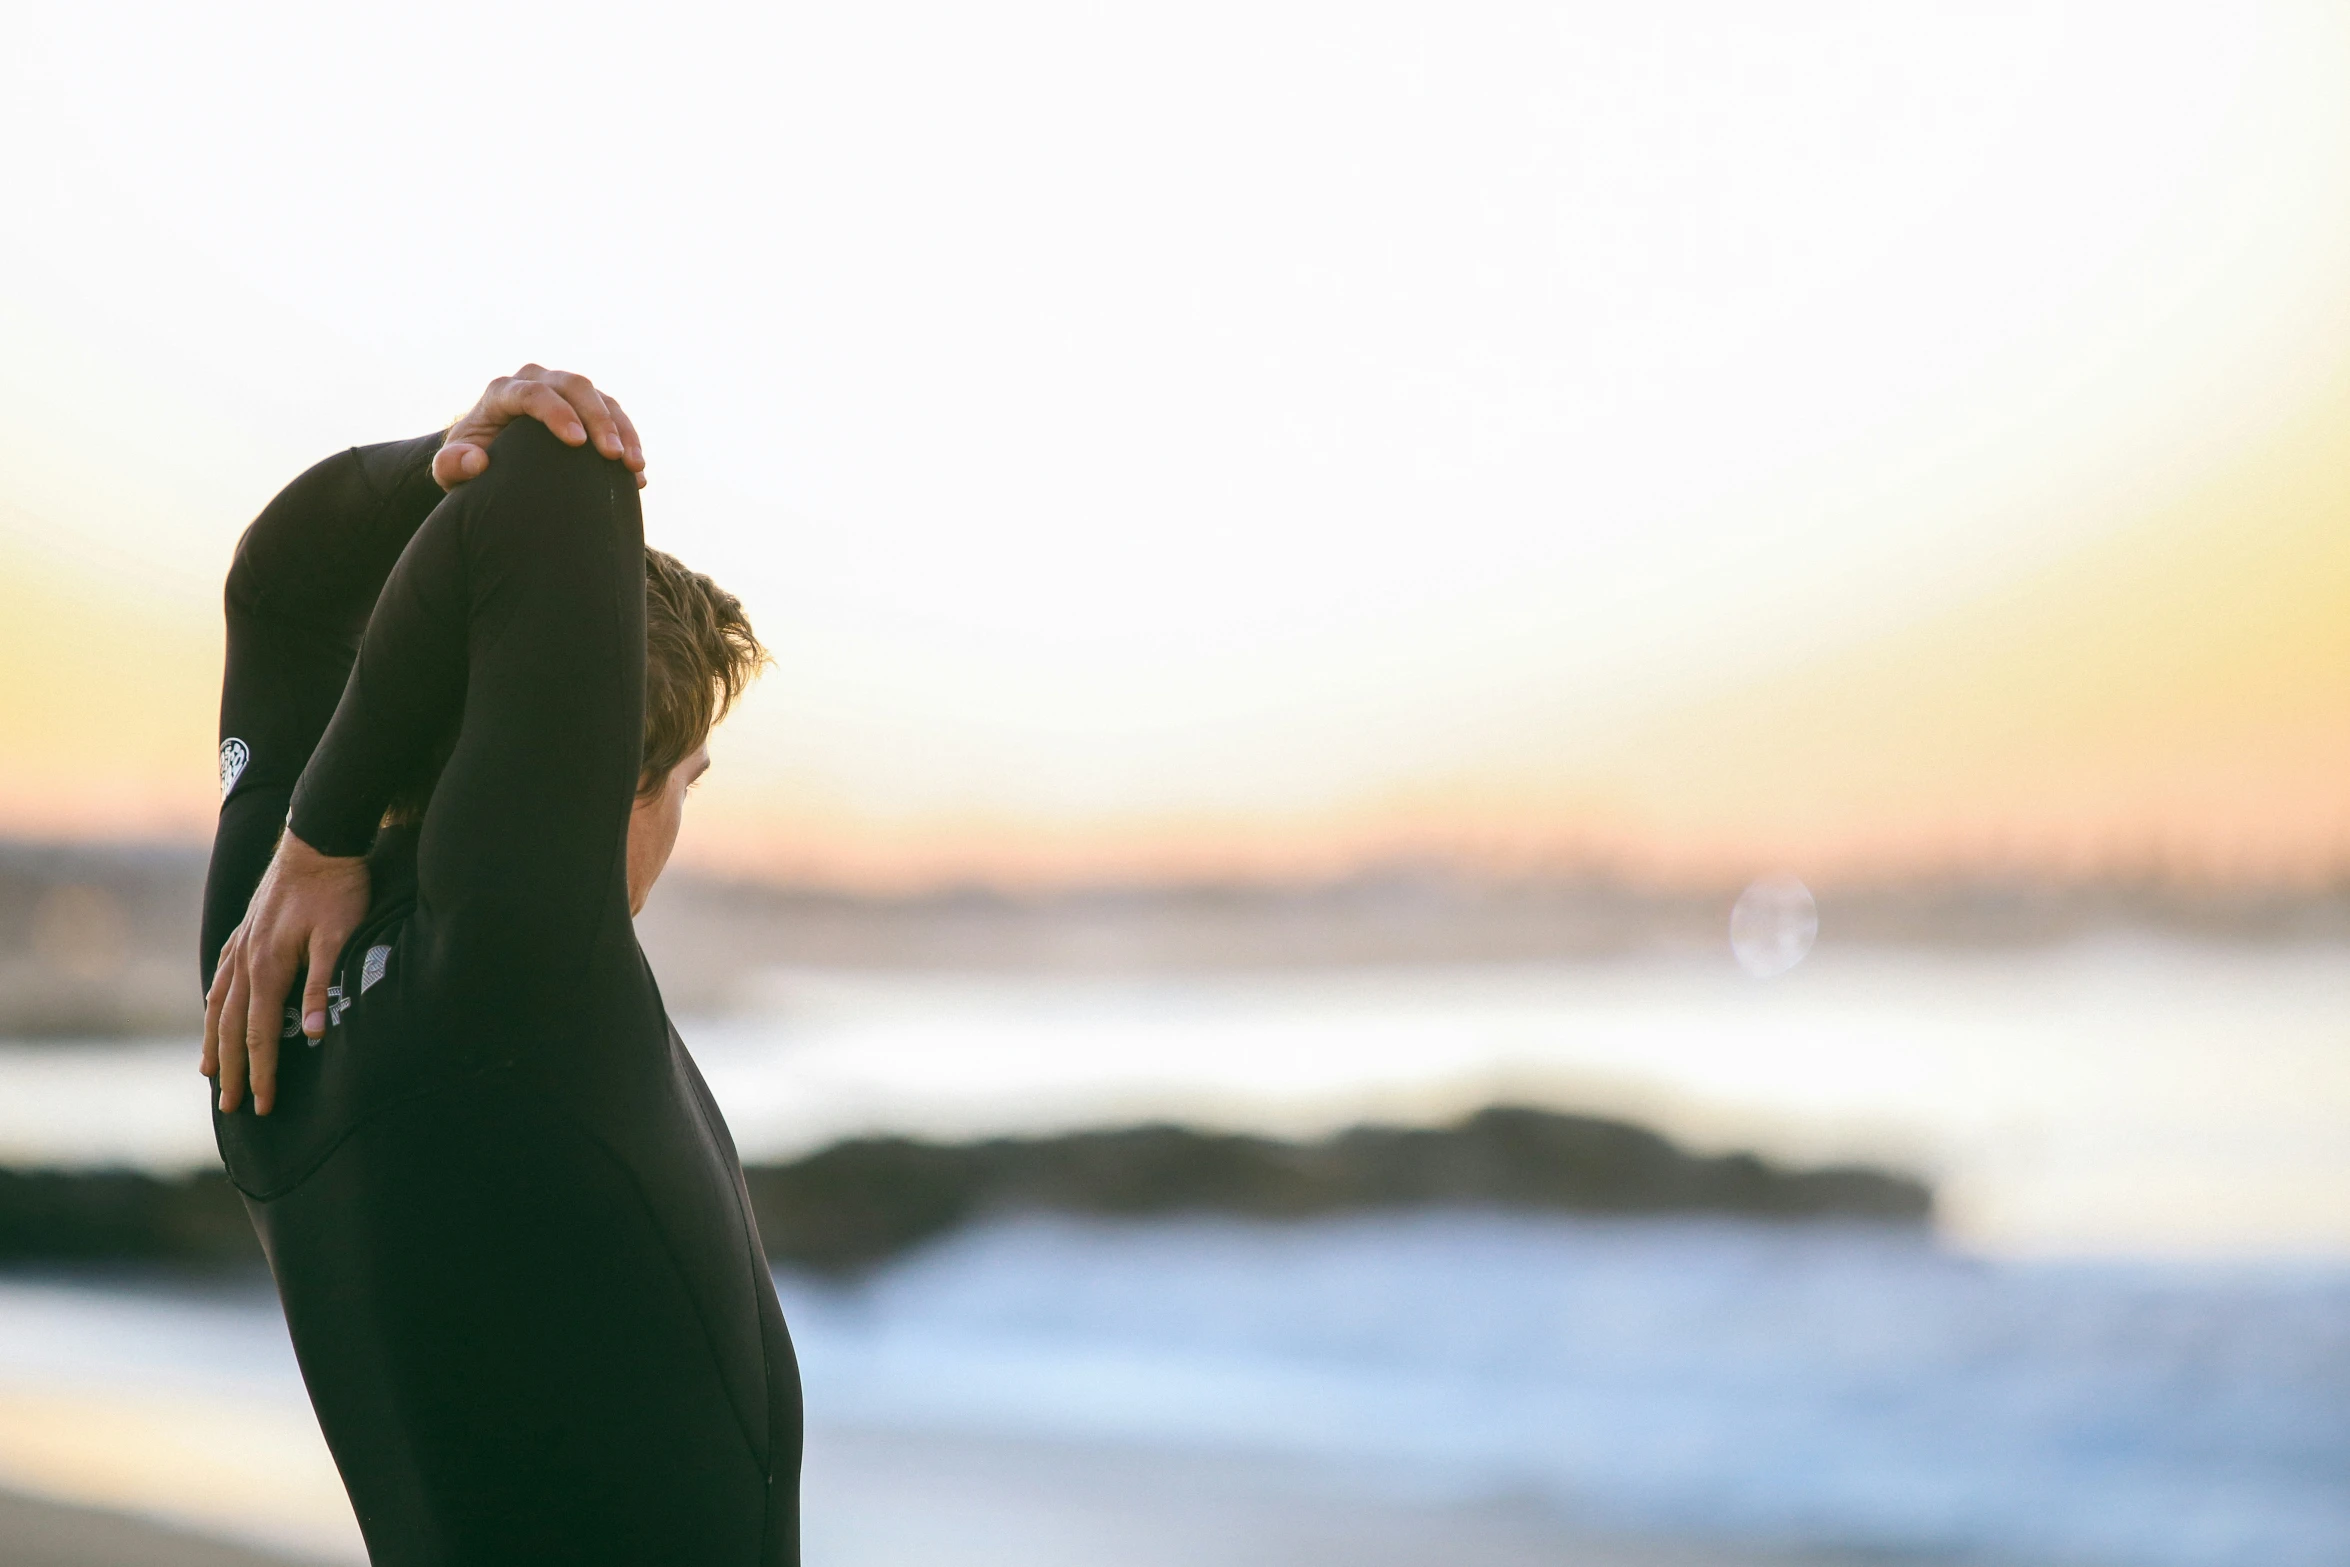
<point>305,579</point>
<point>515,622</point>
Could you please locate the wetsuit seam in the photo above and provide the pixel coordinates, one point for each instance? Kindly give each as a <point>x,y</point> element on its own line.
<point>294,1184</point>
<point>579,1124</point>
<point>750,1230</point>
<point>553,1106</point>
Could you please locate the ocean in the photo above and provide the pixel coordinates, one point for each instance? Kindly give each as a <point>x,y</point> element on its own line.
<point>2119,1097</point>
<point>2125,1344</point>
<point>1801,1385</point>
<point>1804,1387</point>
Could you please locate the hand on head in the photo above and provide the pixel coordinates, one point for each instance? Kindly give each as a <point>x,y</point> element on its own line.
<point>308,903</point>
<point>567,404</point>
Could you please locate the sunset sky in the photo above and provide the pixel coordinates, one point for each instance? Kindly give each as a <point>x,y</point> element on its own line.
<point>1265,438</point>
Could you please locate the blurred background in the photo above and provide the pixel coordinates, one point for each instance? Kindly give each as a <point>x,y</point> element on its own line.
<point>1576,772</point>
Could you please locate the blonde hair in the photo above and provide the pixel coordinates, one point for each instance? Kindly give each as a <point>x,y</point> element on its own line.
<point>700,656</point>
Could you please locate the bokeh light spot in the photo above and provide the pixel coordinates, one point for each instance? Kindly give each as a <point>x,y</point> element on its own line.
<point>1773,925</point>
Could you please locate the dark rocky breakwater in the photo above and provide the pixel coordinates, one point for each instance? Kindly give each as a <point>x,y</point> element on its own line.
<point>859,1203</point>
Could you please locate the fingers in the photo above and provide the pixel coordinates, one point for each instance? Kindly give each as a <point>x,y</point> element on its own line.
<point>325,947</point>
<point>457,462</point>
<point>262,1068</point>
<point>214,1000</point>
<point>541,401</point>
<point>265,1014</point>
<point>232,1042</point>
<point>594,411</point>
<point>569,405</point>
<point>523,395</point>
<point>632,450</point>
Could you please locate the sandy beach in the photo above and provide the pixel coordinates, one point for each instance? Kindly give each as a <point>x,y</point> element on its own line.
<point>44,1533</point>
<point>877,1498</point>
<point>874,1497</point>
<point>1450,1387</point>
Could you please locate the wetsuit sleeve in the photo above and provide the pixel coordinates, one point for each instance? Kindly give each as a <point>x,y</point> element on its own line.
<point>303,583</point>
<point>516,618</point>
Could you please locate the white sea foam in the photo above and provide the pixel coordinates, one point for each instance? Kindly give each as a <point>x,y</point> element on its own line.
<point>1826,1384</point>
<point>1830,1385</point>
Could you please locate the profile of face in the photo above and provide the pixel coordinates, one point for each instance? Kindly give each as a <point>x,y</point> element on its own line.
<point>653,824</point>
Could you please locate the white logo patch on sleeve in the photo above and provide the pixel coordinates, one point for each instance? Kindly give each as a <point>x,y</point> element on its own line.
<point>234,754</point>
<point>371,968</point>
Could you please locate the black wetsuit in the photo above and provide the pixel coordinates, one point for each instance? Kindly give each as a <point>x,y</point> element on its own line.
<point>507,1223</point>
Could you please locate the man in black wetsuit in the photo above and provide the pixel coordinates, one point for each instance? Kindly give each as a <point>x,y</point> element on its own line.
<point>507,1223</point>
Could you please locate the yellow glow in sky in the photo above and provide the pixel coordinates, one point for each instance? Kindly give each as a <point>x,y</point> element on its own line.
<point>1248,435</point>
